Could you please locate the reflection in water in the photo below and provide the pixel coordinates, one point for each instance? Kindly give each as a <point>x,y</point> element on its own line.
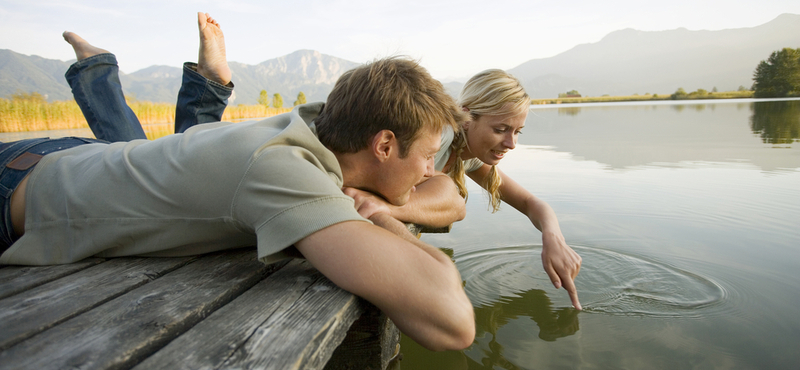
<point>696,107</point>
<point>532,304</point>
<point>569,111</point>
<point>511,293</point>
<point>777,122</point>
<point>678,107</point>
<point>505,323</point>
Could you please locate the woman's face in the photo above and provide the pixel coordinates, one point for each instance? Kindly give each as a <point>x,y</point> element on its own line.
<point>490,137</point>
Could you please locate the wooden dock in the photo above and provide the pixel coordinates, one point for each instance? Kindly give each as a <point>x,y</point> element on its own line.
<point>216,311</point>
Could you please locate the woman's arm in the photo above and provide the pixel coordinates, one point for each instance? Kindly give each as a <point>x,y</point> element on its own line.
<point>560,262</point>
<point>434,203</point>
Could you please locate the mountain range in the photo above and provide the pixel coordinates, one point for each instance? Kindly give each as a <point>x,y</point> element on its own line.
<point>628,61</point>
<point>623,62</point>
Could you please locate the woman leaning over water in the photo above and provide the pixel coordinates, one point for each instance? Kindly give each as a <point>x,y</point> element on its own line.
<point>498,106</point>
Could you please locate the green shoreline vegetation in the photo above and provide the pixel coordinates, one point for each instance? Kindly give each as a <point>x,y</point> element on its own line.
<point>678,95</point>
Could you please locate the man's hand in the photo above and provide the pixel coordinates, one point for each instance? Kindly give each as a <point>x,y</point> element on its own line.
<point>561,264</point>
<point>366,203</point>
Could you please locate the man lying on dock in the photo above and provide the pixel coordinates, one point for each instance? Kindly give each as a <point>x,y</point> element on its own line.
<point>273,183</point>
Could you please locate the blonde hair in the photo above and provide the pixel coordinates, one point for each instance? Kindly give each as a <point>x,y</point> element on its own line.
<point>491,92</point>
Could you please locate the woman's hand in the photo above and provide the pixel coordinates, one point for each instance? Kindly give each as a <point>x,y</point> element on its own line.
<point>561,263</point>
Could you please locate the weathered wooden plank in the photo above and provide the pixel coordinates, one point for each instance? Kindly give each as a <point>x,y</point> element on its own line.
<point>305,334</point>
<point>372,342</point>
<point>242,334</point>
<point>123,331</point>
<point>15,279</point>
<point>33,311</point>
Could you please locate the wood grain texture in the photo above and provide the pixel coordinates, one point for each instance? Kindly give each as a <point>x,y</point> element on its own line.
<point>129,328</point>
<point>15,279</point>
<point>306,332</point>
<point>214,340</point>
<point>35,310</point>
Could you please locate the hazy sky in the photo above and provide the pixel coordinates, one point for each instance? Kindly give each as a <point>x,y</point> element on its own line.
<point>451,38</point>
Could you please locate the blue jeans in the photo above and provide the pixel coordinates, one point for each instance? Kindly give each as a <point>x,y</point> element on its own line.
<point>97,90</point>
<point>10,177</point>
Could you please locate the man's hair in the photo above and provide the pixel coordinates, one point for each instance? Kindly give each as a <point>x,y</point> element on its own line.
<point>395,94</point>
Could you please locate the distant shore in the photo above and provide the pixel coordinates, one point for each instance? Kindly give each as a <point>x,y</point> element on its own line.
<point>22,115</point>
<point>608,99</point>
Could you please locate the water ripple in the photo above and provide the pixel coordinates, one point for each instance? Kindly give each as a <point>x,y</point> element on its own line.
<point>609,282</point>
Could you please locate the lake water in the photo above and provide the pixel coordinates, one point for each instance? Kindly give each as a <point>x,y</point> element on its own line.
<point>687,216</point>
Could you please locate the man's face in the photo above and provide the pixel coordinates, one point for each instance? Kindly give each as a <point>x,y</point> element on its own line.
<point>399,175</point>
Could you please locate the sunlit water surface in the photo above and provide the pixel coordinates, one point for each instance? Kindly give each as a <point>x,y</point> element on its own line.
<point>687,217</point>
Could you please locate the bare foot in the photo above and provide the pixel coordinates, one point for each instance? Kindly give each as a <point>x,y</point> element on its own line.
<point>82,48</point>
<point>211,61</point>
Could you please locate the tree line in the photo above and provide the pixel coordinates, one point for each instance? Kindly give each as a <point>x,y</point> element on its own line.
<point>778,75</point>
<point>775,77</point>
<point>277,99</point>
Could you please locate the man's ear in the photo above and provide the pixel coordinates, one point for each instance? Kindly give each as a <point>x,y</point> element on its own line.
<point>383,144</point>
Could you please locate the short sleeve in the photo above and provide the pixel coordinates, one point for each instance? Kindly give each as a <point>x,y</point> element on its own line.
<point>286,195</point>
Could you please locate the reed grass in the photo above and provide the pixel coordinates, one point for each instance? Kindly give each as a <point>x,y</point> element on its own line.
<point>19,115</point>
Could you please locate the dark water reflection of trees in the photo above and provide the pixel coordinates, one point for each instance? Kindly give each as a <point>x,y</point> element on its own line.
<point>533,305</point>
<point>777,122</point>
<point>508,312</point>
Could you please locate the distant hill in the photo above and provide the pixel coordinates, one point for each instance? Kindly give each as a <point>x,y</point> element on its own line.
<point>154,83</point>
<point>629,61</point>
<point>23,73</point>
<point>308,71</point>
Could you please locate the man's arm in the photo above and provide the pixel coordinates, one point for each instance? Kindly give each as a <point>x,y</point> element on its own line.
<point>434,203</point>
<point>415,284</point>
<point>560,262</point>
